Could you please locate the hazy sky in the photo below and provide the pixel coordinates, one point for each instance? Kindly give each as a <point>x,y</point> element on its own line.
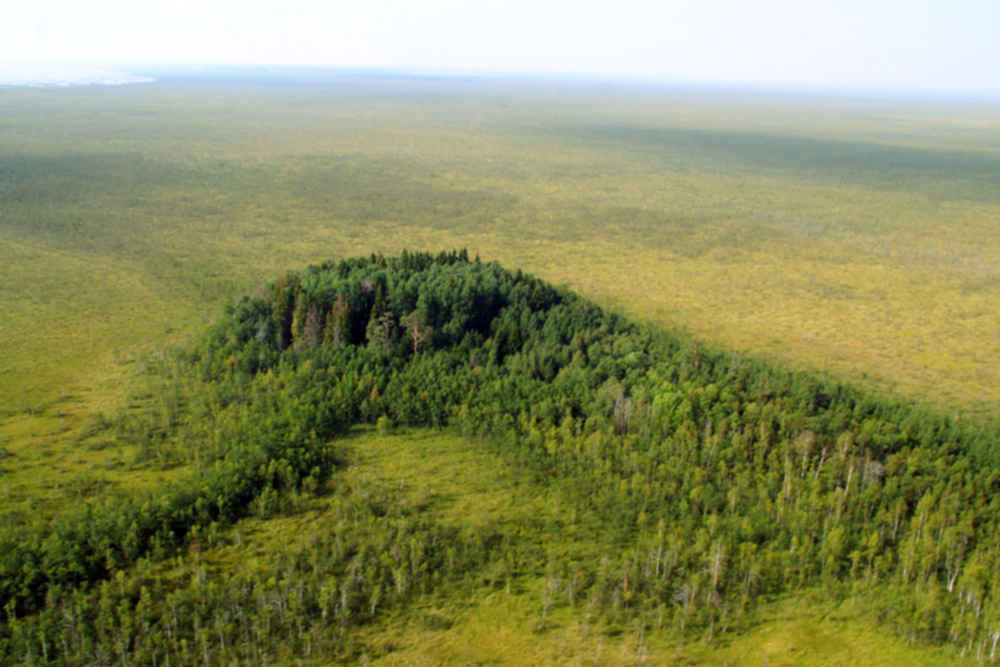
<point>951,45</point>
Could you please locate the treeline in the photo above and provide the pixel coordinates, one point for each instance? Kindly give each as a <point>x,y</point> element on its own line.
<point>719,480</point>
<point>274,438</point>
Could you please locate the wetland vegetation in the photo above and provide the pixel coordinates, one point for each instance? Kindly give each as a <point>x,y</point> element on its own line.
<point>746,408</point>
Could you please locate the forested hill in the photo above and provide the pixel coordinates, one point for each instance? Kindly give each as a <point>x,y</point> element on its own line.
<point>718,481</point>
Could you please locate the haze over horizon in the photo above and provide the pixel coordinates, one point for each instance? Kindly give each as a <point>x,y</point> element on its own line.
<point>856,44</point>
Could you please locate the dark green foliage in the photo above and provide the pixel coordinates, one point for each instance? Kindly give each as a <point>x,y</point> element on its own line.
<point>718,480</point>
<point>283,301</point>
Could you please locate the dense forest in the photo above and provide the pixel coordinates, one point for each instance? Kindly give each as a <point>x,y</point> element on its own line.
<point>717,481</point>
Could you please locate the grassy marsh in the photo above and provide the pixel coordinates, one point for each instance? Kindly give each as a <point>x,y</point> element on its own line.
<point>856,237</point>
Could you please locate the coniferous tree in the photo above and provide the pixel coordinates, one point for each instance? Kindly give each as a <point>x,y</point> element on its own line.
<point>338,322</point>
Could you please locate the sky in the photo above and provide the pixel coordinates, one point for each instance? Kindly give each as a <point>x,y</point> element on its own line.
<point>929,45</point>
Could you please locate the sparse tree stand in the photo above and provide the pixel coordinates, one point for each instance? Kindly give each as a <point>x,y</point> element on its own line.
<point>419,331</point>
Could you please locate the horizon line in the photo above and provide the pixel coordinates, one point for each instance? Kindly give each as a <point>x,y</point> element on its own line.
<point>484,74</point>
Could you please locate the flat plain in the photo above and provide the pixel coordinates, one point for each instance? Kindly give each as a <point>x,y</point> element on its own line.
<point>856,236</point>
<point>852,236</point>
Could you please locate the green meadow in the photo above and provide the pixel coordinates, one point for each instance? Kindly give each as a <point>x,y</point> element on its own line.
<point>851,237</point>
